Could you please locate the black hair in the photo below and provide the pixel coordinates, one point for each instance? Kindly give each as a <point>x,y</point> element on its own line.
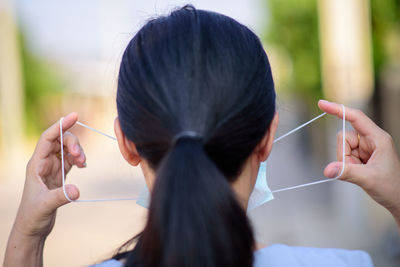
<point>204,72</point>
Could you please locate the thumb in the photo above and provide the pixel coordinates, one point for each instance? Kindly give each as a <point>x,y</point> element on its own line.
<point>57,197</point>
<point>353,173</point>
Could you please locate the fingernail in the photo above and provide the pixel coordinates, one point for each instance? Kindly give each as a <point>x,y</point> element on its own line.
<point>324,101</point>
<point>82,157</point>
<point>71,192</point>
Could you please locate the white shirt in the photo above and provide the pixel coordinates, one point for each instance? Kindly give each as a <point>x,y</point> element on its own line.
<point>285,256</point>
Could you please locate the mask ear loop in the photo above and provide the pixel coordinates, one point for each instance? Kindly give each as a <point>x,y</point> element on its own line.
<point>63,168</point>
<point>343,152</point>
<point>276,140</point>
<point>62,162</point>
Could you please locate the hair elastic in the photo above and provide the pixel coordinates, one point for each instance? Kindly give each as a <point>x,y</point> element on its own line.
<point>185,134</point>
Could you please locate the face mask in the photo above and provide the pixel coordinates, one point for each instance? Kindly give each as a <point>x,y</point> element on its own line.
<point>144,197</point>
<point>261,192</point>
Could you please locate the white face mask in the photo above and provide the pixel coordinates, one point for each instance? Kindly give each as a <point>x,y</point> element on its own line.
<point>261,192</point>
<point>144,197</point>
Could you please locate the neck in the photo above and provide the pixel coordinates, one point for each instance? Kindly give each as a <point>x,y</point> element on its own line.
<point>244,184</point>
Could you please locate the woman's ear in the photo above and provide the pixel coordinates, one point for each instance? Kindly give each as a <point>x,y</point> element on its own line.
<point>265,146</point>
<point>126,146</point>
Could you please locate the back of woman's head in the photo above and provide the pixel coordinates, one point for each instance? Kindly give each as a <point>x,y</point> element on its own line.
<point>202,73</point>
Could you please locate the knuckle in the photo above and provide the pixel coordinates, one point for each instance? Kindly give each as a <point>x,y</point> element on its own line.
<point>387,139</point>
<point>29,165</point>
<point>359,112</point>
<point>345,177</point>
<point>70,137</point>
<point>67,135</point>
<point>60,197</point>
<point>43,135</point>
<point>71,141</point>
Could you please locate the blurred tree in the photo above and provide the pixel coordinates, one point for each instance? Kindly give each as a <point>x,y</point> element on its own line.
<point>385,17</point>
<point>43,89</point>
<point>293,27</point>
<point>11,95</point>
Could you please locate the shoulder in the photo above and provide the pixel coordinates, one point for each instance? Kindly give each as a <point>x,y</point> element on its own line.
<point>109,263</point>
<point>282,255</point>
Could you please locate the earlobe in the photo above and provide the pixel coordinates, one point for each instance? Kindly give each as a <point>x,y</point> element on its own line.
<point>126,146</point>
<point>265,146</point>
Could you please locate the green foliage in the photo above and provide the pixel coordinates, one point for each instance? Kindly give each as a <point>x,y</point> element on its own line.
<point>385,18</point>
<point>293,27</point>
<point>42,91</point>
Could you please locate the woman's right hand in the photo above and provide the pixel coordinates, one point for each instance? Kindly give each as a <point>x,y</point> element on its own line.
<point>371,158</point>
<point>43,194</point>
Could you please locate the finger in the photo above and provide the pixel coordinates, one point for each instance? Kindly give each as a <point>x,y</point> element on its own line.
<point>76,153</point>
<point>52,133</point>
<point>57,197</point>
<point>71,161</point>
<point>360,121</point>
<point>351,143</point>
<point>354,173</point>
<point>46,141</point>
<point>352,159</point>
<point>356,153</point>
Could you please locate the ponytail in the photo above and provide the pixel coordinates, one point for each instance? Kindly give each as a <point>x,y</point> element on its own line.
<point>205,72</point>
<point>194,219</point>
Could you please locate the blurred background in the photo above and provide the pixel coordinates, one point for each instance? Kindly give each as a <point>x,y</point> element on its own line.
<point>63,56</point>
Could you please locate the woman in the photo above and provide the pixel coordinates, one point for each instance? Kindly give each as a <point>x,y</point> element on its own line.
<point>196,109</point>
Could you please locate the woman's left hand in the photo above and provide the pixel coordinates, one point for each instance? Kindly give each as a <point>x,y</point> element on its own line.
<point>43,192</point>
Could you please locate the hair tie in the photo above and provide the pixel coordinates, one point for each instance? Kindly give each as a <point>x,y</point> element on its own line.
<point>186,134</point>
